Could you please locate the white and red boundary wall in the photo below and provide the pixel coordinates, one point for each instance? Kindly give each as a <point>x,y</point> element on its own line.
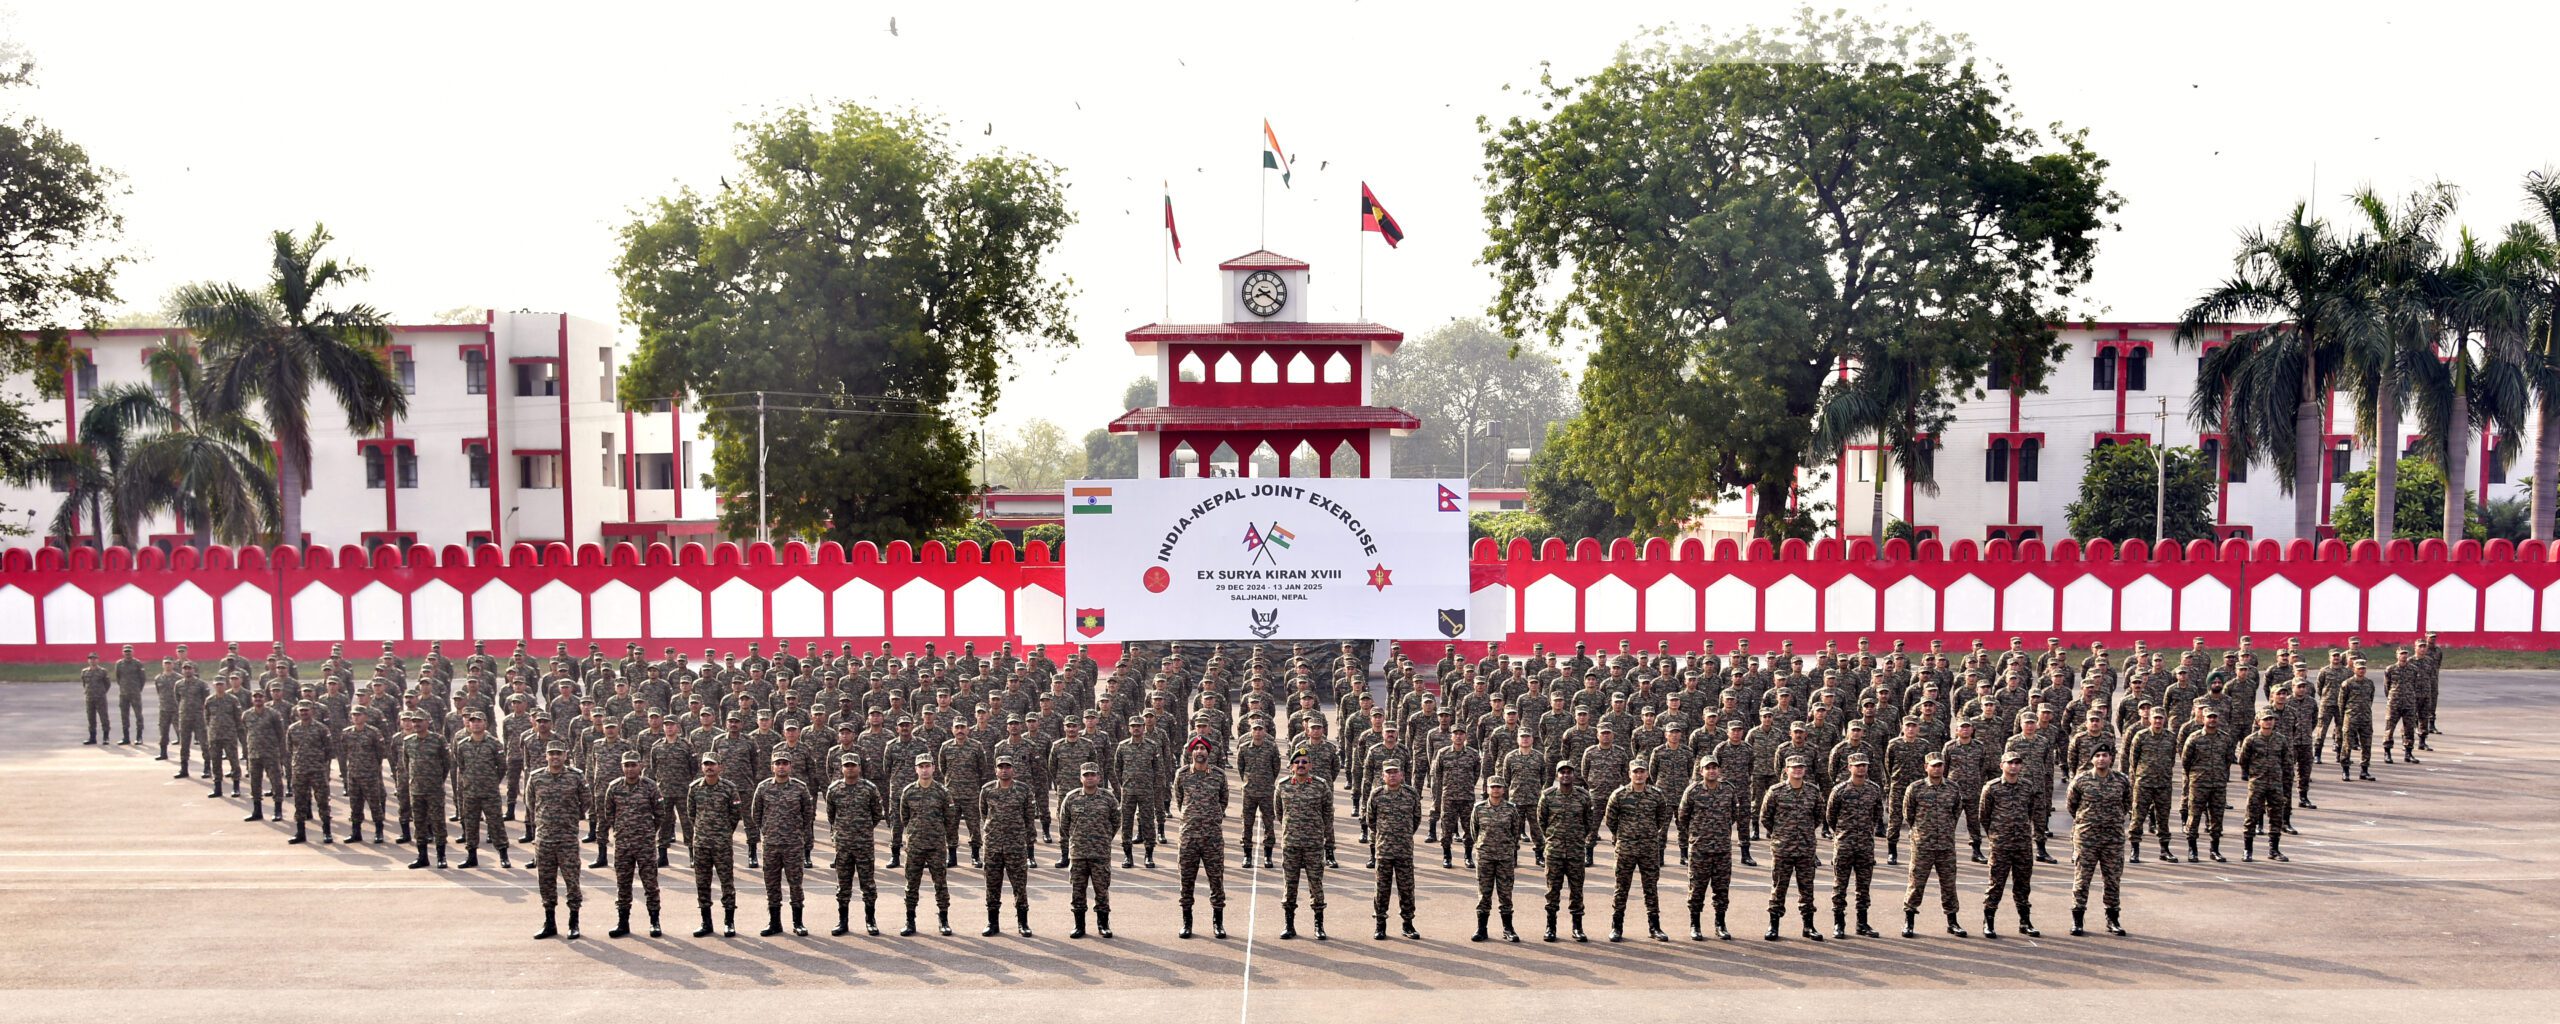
<point>57,607</point>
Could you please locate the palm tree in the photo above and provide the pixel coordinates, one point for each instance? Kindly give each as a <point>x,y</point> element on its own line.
<point>1893,401</point>
<point>213,470</point>
<point>2542,192</point>
<point>269,347</point>
<point>2482,299</point>
<point>88,469</point>
<point>2392,334</point>
<point>2266,388</point>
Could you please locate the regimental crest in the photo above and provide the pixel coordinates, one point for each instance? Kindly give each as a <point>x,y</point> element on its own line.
<point>1264,623</point>
<point>1089,621</point>
<point>1453,621</point>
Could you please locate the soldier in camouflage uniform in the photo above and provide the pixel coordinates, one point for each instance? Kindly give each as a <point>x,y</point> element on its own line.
<point>2206,755</point>
<point>2266,761</point>
<point>1393,812</point>
<point>1455,770</point>
<point>1200,794</point>
<point>307,749</point>
<point>964,765</point>
<point>1855,815</point>
<point>1138,764</point>
<point>1306,829</point>
<point>2008,813</point>
<point>1706,817</point>
<point>1639,817</point>
<point>2355,725</point>
<point>779,816</point>
<point>1010,812</point>
<point>424,766</point>
<point>1087,818</point>
<point>928,816</point>
<point>192,692</point>
<point>1930,808</point>
<point>1257,762</point>
<point>1565,822</point>
<point>555,798</point>
<point>1499,826</point>
<point>2150,760</point>
<point>1324,763</point>
<point>361,751</point>
<point>854,811</point>
<point>263,728</point>
<point>95,682</point>
<point>130,675</point>
<point>479,772</point>
<point>636,813</point>
<point>2100,801</point>
<point>1790,813</point>
<point>713,810</point>
<point>671,764</point>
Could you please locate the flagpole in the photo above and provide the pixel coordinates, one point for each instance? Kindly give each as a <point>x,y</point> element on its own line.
<point>1164,254</point>
<point>1364,276</point>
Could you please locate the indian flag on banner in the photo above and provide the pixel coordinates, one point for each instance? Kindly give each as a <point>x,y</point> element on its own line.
<point>1277,535</point>
<point>1089,501</point>
<point>1273,157</point>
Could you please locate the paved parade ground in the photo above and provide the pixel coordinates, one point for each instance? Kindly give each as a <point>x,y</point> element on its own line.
<point>127,895</point>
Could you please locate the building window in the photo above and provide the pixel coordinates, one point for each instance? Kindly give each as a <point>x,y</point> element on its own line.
<point>475,372</point>
<point>1995,466</point>
<point>2137,370</point>
<point>405,460</point>
<point>84,373</point>
<point>373,467</point>
<point>606,474</point>
<point>407,367</point>
<point>476,538</point>
<point>662,405</point>
<point>2338,461</point>
<point>604,375</point>
<point>654,472</point>
<point>537,380</point>
<point>684,466</point>
<point>2027,452</point>
<point>2102,370</point>
<point>478,459</point>
<point>61,482</point>
<point>538,472</point>
<point>394,541</point>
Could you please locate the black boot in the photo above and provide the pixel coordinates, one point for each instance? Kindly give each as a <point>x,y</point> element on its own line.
<point>502,859</point>
<point>1483,917</point>
<point>1865,931</point>
<point>1127,859</point>
<point>1618,926</point>
<point>2137,851</point>
<point>1079,932</point>
<point>2216,851</point>
<point>704,932</point>
<point>1217,922</point>
<point>1953,928</point>
<point>1840,922</point>
<point>1508,933</point>
<point>772,920</point>
<point>2249,848</point>
<point>1775,916</point>
<point>471,859</point>
<point>300,835</point>
<point>1977,849</point>
<point>550,924</point>
<point>2192,855</point>
<point>1910,924</point>
<point>599,861</point>
<point>1721,934</point>
<point>573,923</point>
<point>1653,926</point>
<point>1381,935</point>
<point>422,858</point>
<point>2041,856</point>
<point>2027,925</point>
<point>1186,924</point>
<point>2165,856</point>
<point>942,921</point>
<point>1810,931</point>
<point>1289,924</point>
<point>439,854</point>
<point>994,916</point>
<point>1409,931</point>
<point>1102,923</point>
<point>1551,926</point>
<point>2114,927</point>
<point>802,930</point>
<point>910,929</point>
<point>2079,916</point>
<point>1578,936</point>
<point>621,923</point>
<point>1990,922</point>
<point>2275,850</point>
<point>728,922</point>
<point>870,918</point>
<point>1319,923</point>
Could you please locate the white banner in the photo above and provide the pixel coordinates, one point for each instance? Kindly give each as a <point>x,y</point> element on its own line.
<point>1270,558</point>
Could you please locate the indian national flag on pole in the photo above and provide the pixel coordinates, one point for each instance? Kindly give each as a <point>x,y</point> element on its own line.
<point>1089,501</point>
<point>1273,157</point>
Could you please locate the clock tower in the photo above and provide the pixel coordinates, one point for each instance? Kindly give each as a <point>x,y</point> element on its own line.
<point>1267,385</point>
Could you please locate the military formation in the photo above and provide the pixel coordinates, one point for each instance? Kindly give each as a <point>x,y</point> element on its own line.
<point>1687,761</point>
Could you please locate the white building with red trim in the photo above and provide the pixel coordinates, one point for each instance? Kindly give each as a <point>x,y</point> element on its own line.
<point>513,433</point>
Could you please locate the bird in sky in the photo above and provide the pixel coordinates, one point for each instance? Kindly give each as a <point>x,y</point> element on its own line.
<point>991,129</point>
<point>893,26</point>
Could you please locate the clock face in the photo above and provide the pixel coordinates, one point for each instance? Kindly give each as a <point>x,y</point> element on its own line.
<point>1264,293</point>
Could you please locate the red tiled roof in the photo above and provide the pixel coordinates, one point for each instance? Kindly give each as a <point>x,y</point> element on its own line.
<point>1263,259</point>
<point>1384,338</point>
<point>1299,417</point>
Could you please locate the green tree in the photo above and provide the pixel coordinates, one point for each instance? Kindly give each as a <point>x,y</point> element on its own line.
<point>1561,487</point>
<point>854,258</point>
<point>212,468</point>
<point>1037,457</point>
<point>1732,221</point>
<point>1053,534</point>
<point>1466,382</point>
<point>266,349</point>
<point>1109,456</point>
<point>1505,527</point>
<point>57,258</point>
<point>2542,360</point>
<point>2482,296</point>
<point>2391,331</point>
<point>2264,391</point>
<point>2421,509</point>
<point>2120,494</point>
<point>972,528</point>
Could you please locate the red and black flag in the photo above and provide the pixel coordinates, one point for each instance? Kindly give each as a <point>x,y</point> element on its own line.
<point>1374,217</point>
<point>1169,231</point>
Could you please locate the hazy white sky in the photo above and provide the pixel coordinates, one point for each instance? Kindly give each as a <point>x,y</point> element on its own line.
<point>483,153</point>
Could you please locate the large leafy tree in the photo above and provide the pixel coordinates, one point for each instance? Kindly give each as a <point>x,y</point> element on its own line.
<point>2421,508</point>
<point>2265,389</point>
<point>2123,489</point>
<point>1109,456</point>
<point>2390,332</point>
<point>2542,194</point>
<point>1465,381</point>
<point>1038,456</point>
<point>1571,504</point>
<point>1731,222</point>
<point>857,263</point>
<point>211,467</point>
<point>267,349</point>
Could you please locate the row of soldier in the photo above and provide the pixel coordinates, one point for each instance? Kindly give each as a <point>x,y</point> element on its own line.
<point>1768,720</point>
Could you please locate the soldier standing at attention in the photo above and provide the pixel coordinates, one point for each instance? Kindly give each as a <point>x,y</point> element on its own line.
<point>1087,819</point>
<point>361,751</point>
<point>2207,757</point>
<point>2299,719</point>
<point>1930,808</point>
<point>479,770</point>
<point>671,765</point>
<point>964,767</point>
<point>2264,758</point>
<point>713,808</point>
<point>424,765</point>
<point>2151,755</point>
<point>95,681</point>
<point>1010,817</point>
<point>1306,826</point>
<point>1392,814</point>
<point>1200,794</point>
<point>2008,813</point>
<point>1139,765</point>
<point>1565,822</point>
<point>2400,694</point>
<point>1854,813</point>
<point>779,816</point>
<point>1790,814</point>
<point>1498,824</point>
<point>192,694</point>
<point>1638,817</point>
<point>554,799</point>
<point>307,749</point>
<point>854,810</point>
<point>926,811</point>
<point>130,675</point>
<point>1257,762</point>
<point>1324,762</point>
<point>1454,773</point>
<point>1970,761</point>
<point>1077,746</point>
<point>635,813</point>
<point>1905,763</point>
<point>1707,818</point>
<point>2099,801</point>
<point>263,726</point>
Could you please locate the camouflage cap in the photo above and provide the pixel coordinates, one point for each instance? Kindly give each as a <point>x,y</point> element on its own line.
<point>2012,756</point>
<point>924,759</point>
<point>1392,766</point>
<point>1004,761</point>
<point>1935,758</point>
<point>1798,761</point>
<point>556,748</point>
<point>853,759</point>
<point>1857,759</point>
<point>475,715</point>
<point>780,754</point>
<point>631,757</point>
<point>1090,768</point>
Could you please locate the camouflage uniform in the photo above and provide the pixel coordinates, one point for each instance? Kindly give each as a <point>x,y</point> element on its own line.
<point>192,692</point>
<point>1258,764</point>
<point>2207,758</point>
<point>555,800</point>
<point>1565,826</point>
<point>2099,806</point>
<point>2355,724</point>
<point>1138,767</point>
<point>1455,771</point>
<point>264,728</point>
<point>1638,820</point>
<point>1393,814</point>
<point>1929,809</point>
<point>636,812</point>
<point>1499,826</point>
<point>1010,821</point>
<point>479,772</point>
<point>130,676</point>
<point>672,764</point>
<point>307,752</point>
<point>928,817</point>
<point>1086,823</point>
<point>1855,815</point>
<point>780,816</point>
<point>2150,763</point>
<point>963,766</point>
<point>1306,832</point>
<point>2008,815</point>
<point>94,684</point>
<point>713,811</point>
<point>424,764</point>
<point>1706,818</point>
<point>2265,760</point>
<point>854,810</point>
<point>1789,816</point>
<point>361,753</point>
<point>1201,796</point>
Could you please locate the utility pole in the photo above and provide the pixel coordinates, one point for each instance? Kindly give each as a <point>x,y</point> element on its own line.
<point>764,527</point>
<point>2160,476</point>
